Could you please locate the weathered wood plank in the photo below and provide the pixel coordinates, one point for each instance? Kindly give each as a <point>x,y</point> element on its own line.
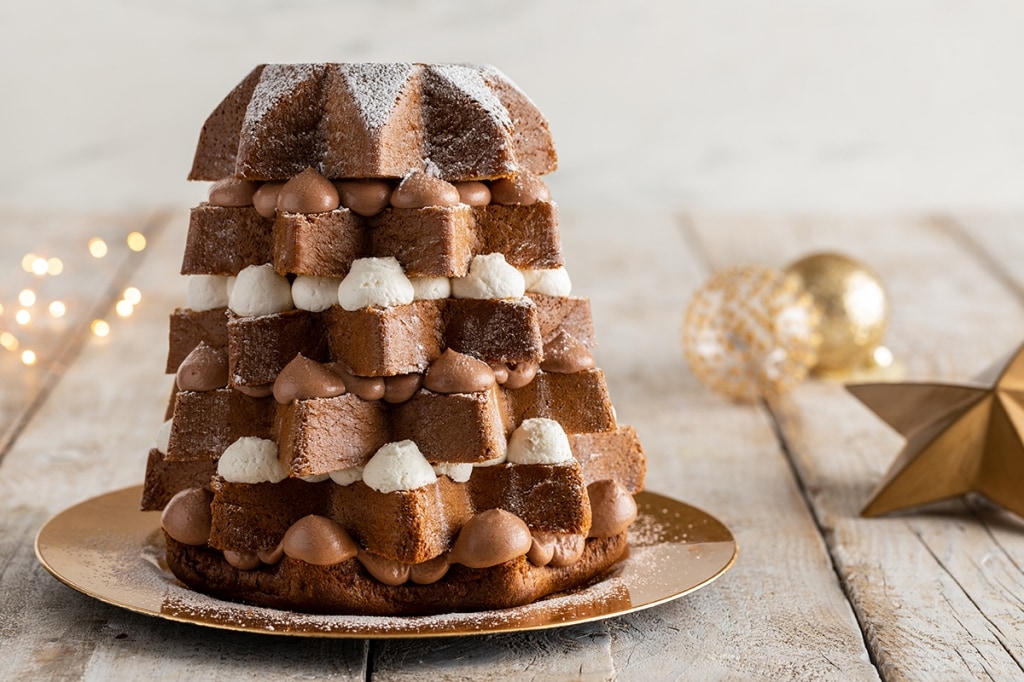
<point>937,593</point>
<point>91,435</point>
<point>780,613</point>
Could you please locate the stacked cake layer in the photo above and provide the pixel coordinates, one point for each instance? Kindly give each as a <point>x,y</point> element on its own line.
<point>385,398</point>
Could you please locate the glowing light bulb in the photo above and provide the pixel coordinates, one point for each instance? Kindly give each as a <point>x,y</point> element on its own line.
<point>23,317</point>
<point>97,247</point>
<point>54,266</point>
<point>57,309</point>
<point>28,357</point>
<point>8,340</point>
<point>124,308</point>
<point>136,241</point>
<point>100,328</point>
<point>40,266</point>
<point>132,295</point>
<point>27,297</point>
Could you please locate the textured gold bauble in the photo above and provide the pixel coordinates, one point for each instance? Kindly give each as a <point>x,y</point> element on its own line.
<point>853,307</point>
<point>750,332</point>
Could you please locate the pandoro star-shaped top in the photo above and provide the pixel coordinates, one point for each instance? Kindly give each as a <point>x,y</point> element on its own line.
<point>960,439</point>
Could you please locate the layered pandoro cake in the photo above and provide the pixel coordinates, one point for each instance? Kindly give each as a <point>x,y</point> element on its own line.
<point>385,400</point>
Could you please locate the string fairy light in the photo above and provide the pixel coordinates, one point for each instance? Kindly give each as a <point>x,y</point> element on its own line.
<point>132,295</point>
<point>136,241</point>
<point>29,327</point>
<point>97,247</point>
<point>100,328</point>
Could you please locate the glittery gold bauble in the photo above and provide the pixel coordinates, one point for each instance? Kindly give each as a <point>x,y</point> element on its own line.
<point>750,332</point>
<point>853,306</point>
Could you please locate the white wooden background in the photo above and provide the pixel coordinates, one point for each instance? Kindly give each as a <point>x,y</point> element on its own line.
<point>749,132</point>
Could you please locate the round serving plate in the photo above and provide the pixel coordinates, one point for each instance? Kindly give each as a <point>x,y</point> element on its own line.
<point>106,548</point>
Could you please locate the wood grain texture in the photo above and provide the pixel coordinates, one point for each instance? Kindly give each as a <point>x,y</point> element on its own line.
<point>817,593</point>
<point>91,435</point>
<point>934,590</point>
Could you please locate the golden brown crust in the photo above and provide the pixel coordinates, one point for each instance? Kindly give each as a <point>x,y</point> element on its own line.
<point>374,120</point>
<point>348,588</point>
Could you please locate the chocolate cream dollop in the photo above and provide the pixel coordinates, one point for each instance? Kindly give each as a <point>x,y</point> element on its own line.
<point>556,549</point>
<point>303,378</point>
<point>364,197</point>
<point>473,193</point>
<point>232,192</point>
<point>187,517</point>
<point>490,538</point>
<point>455,372</point>
<point>524,189</point>
<point>319,541</point>
<point>265,199</point>
<point>203,369</point>
<point>612,508</point>
<point>564,354</point>
<point>419,189</point>
<point>520,374</point>
<point>308,192</point>
<point>367,388</point>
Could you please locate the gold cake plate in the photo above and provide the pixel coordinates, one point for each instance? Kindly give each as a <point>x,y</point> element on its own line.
<point>106,548</point>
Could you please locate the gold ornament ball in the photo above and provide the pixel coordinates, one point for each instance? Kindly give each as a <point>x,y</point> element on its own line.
<point>750,332</point>
<point>853,307</point>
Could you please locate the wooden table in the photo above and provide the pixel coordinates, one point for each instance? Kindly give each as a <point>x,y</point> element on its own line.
<point>817,592</point>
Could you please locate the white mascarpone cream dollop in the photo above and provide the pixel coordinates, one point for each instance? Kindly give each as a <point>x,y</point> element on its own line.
<point>490,276</point>
<point>378,282</point>
<point>251,460</point>
<point>315,294</point>
<point>539,441</point>
<point>430,288</point>
<point>554,282</point>
<point>347,476</point>
<point>258,290</point>
<point>207,292</point>
<point>457,471</point>
<point>398,466</point>
<point>163,437</point>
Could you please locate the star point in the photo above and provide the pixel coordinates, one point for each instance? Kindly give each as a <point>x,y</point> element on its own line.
<point>960,439</point>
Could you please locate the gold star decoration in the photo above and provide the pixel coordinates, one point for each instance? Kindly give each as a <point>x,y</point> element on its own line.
<point>960,439</point>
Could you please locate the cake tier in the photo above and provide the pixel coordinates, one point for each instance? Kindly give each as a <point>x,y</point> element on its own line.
<point>609,455</point>
<point>463,122</point>
<point>435,241</point>
<point>409,526</point>
<point>348,588</point>
<point>381,341</point>
<point>321,435</point>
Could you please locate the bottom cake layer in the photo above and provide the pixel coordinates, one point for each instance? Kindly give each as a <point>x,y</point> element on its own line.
<point>347,588</point>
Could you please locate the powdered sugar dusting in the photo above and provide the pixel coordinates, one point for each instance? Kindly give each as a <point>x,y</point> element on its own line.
<point>146,572</point>
<point>375,89</point>
<point>277,82</point>
<point>469,81</point>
